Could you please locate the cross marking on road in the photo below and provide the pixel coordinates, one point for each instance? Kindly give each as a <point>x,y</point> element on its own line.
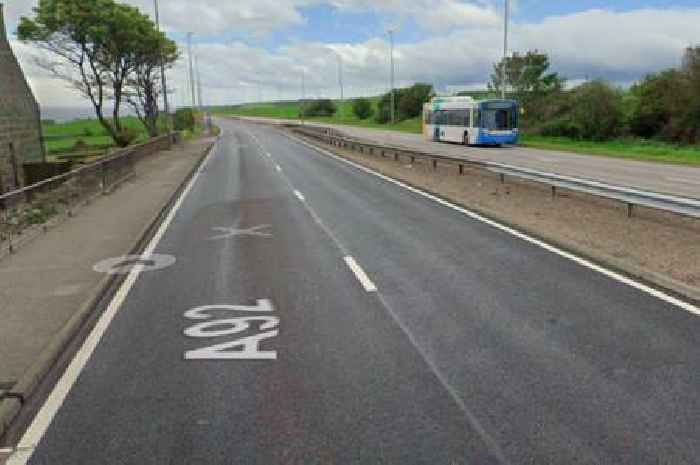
<point>232,232</point>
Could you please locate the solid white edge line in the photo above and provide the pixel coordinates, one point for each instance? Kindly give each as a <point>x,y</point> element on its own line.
<point>360,274</point>
<point>53,403</point>
<point>687,306</point>
<point>299,195</point>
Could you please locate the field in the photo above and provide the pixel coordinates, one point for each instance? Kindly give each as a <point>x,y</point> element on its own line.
<point>64,140</point>
<point>634,149</point>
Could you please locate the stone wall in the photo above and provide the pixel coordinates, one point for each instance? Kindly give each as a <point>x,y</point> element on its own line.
<point>20,120</point>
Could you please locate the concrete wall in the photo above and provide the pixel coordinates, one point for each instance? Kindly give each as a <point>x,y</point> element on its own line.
<point>20,120</point>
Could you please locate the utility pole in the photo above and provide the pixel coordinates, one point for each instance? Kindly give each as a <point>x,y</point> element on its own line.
<point>391,61</point>
<point>189,55</point>
<point>162,73</point>
<point>505,48</point>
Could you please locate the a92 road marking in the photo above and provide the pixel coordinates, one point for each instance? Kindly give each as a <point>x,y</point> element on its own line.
<point>244,348</point>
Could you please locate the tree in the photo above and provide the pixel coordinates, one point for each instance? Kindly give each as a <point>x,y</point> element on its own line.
<point>652,108</point>
<point>411,100</point>
<point>143,88</point>
<point>525,76</point>
<point>667,104</point>
<point>408,102</point>
<point>362,108</point>
<point>94,45</point>
<point>597,110</point>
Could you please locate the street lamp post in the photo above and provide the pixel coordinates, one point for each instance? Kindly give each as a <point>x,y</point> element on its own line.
<point>162,73</point>
<point>189,56</point>
<point>505,48</point>
<point>303,95</point>
<point>391,79</point>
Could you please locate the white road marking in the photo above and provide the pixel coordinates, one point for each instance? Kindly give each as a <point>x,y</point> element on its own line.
<point>685,180</point>
<point>687,306</point>
<point>299,195</point>
<point>233,231</point>
<point>124,264</point>
<point>360,274</point>
<point>278,168</point>
<point>48,411</point>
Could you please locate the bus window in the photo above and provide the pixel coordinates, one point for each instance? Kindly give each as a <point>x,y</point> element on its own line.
<point>499,116</point>
<point>477,119</point>
<point>440,117</point>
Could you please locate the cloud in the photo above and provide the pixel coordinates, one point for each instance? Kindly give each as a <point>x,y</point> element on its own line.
<point>613,45</point>
<point>619,46</point>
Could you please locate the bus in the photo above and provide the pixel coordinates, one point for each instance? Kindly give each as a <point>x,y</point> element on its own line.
<point>471,122</point>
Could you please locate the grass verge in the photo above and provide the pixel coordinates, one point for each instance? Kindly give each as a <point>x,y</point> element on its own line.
<point>630,149</point>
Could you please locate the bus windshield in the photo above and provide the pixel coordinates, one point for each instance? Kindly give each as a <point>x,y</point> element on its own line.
<point>501,116</point>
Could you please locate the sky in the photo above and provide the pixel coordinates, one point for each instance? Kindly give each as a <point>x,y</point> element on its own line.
<point>252,50</point>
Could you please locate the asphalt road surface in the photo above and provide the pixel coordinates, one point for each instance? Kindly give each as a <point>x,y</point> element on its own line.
<point>318,314</point>
<point>656,177</point>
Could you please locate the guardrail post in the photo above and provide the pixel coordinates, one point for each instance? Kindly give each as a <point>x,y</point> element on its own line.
<point>413,159</point>
<point>103,176</point>
<point>630,210</point>
<point>434,164</point>
<point>554,192</point>
<point>6,220</point>
<point>461,169</point>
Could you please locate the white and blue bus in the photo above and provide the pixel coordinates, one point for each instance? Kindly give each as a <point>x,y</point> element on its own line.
<point>471,122</point>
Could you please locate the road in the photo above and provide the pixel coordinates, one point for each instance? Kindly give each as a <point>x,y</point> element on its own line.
<point>317,313</point>
<point>657,177</point>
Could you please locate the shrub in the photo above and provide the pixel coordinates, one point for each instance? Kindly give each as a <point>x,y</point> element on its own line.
<point>362,108</point>
<point>184,119</point>
<point>129,135</point>
<point>561,127</point>
<point>321,107</point>
<point>597,110</point>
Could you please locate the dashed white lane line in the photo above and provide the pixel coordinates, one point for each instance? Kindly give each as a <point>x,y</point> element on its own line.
<point>360,274</point>
<point>53,403</point>
<point>299,195</point>
<point>668,298</point>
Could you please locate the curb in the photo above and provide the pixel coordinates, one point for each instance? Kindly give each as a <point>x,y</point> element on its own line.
<point>654,279</point>
<point>9,408</point>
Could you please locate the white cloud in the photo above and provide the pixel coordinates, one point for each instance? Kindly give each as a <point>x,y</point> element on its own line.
<point>621,46</point>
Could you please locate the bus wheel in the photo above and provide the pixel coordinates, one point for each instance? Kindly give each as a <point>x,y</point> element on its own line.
<point>465,141</point>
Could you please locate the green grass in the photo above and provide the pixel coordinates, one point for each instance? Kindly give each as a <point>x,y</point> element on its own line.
<point>633,149</point>
<point>62,138</point>
<point>344,115</point>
